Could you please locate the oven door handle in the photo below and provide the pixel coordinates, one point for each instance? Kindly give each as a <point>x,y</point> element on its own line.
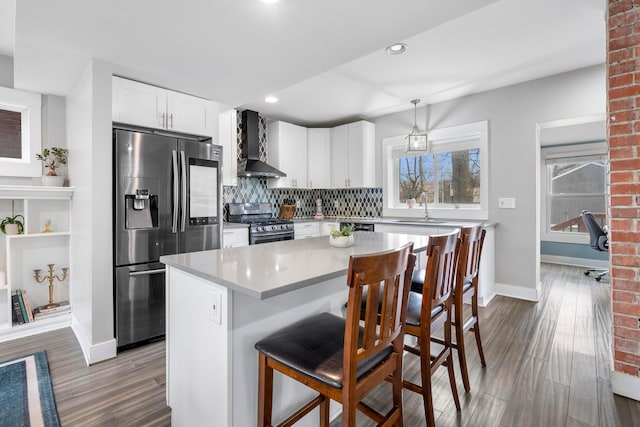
<point>146,272</point>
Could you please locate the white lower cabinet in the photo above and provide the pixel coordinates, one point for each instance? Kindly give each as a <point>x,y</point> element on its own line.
<point>328,226</point>
<point>235,237</point>
<point>305,230</point>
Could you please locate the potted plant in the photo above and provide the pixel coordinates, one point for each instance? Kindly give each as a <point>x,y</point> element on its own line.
<point>343,237</point>
<point>411,198</point>
<point>53,158</point>
<point>11,225</point>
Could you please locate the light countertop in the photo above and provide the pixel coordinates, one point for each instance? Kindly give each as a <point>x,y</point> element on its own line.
<point>270,269</point>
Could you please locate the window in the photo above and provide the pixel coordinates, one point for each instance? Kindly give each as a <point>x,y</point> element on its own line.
<point>575,180</point>
<point>20,122</point>
<point>450,178</point>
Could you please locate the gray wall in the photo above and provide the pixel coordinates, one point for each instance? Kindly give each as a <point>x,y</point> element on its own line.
<point>6,71</point>
<point>513,113</point>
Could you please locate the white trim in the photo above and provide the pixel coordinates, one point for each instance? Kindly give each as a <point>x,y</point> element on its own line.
<point>625,385</point>
<point>575,150</point>
<point>93,353</point>
<point>30,105</point>
<point>578,262</point>
<point>518,292</point>
<point>35,192</point>
<point>456,135</point>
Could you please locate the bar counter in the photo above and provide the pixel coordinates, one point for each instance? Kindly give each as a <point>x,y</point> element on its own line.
<point>221,302</point>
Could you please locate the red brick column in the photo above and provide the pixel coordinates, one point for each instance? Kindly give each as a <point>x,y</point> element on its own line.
<point>623,88</point>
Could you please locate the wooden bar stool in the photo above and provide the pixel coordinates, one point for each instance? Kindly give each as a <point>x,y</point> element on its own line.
<point>471,243</point>
<point>337,357</point>
<point>430,309</point>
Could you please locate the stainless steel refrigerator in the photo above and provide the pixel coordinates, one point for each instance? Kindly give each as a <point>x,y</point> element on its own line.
<point>167,200</point>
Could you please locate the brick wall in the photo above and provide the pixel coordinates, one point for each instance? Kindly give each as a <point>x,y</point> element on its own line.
<point>623,87</point>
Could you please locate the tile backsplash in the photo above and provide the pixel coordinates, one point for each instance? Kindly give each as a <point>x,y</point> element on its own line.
<point>365,202</point>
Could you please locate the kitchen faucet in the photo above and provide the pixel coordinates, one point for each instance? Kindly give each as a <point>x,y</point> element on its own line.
<point>424,197</point>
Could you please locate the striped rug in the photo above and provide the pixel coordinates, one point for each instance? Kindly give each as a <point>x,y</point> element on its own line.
<point>26,393</point>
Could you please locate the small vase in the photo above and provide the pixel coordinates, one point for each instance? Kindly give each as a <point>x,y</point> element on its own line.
<point>411,203</point>
<point>52,180</point>
<point>341,241</point>
<point>11,229</point>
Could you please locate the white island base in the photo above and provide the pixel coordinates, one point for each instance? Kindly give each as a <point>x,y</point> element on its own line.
<point>212,369</point>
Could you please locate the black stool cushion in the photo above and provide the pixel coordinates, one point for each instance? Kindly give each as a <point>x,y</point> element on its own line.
<point>414,305</point>
<point>417,280</point>
<point>315,347</point>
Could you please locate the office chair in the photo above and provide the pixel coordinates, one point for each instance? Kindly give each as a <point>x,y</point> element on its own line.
<point>598,241</point>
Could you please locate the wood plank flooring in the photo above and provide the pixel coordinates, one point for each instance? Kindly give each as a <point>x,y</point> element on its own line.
<point>548,364</point>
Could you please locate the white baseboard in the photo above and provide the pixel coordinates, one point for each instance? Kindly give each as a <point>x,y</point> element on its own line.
<point>93,353</point>
<point>483,301</point>
<point>578,262</point>
<point>518,292</point>
<point>625,385</point>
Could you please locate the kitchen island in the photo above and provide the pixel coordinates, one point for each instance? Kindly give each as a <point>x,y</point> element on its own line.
<point>221,302</point>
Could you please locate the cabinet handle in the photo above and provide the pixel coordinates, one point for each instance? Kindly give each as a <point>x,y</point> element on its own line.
<point>170,125</point>
<point>162,120</point>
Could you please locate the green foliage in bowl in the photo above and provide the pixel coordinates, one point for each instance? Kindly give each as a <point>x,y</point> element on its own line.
<point>13,220</point>
<point>347,230</point>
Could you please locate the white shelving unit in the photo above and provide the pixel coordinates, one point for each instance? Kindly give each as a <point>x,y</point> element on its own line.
<point>21,254</point>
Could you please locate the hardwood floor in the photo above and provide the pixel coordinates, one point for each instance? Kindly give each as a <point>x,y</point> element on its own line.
<point>548,364</point>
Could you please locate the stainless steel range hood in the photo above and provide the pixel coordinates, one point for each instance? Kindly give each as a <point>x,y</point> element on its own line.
<point>251,165</point>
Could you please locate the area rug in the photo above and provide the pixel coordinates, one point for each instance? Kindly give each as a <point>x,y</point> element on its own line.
<point>26,393</point>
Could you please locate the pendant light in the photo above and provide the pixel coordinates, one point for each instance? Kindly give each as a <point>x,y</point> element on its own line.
<point>416,140</point>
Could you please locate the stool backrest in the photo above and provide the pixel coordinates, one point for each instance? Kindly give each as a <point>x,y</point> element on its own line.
<point>441,270</point>
<point>386,278</point>
<point>471,242</point>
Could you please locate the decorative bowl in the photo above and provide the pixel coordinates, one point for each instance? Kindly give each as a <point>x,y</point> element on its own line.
<point>341,241</point>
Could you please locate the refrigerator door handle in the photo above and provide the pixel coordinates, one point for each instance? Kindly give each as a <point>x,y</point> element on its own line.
<point>183,197</point>
<point>174,217</point>
<point>146,272</point>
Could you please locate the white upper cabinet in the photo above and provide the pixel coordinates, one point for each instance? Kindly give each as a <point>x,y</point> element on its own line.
<point>352,155</point>
<point>150,106</point>
<point>319,158</point>
<point>228,138</point>
<point>287,151</point>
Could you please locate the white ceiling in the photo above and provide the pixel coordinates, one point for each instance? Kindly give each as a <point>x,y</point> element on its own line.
<point>324,60</point>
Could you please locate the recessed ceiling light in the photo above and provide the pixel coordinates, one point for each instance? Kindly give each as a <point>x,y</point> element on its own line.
<point>270,99</point>
<point>396,48</point>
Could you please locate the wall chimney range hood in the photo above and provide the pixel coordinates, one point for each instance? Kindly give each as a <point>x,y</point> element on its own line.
<point>250,165</point>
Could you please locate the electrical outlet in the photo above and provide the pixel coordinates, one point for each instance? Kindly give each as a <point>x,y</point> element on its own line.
<point>298,204</point>
<point>336,204</point>
<point>507,203</point>
<point>216,309</point>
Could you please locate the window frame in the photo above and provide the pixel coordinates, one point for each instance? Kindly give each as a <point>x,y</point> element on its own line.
<point>452,138</point>
<point>565,151</point>
<point>30,106</point>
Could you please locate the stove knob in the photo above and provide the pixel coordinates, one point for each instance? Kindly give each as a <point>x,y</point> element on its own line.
<point>283,226</point>
<point>258,228</point>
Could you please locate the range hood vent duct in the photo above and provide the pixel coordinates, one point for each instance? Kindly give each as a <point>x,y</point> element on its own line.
<point>250,165</point>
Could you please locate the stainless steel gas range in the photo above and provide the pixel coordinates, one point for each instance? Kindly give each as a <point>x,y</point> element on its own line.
<point>263,227</point>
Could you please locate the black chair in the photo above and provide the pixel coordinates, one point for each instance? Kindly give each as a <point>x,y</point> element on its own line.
<point>598,240</point>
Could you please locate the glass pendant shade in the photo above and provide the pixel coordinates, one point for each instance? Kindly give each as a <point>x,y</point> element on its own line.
<point>416,140</point>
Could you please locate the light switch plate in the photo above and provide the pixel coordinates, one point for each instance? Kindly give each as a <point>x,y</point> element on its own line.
<point>507,203</point>
<point>215,307</point>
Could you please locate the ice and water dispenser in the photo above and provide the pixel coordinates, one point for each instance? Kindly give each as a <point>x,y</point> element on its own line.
<point>141,210</point>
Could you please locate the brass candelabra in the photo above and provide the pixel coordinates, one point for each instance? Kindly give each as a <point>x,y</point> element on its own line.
<point>50,278</point>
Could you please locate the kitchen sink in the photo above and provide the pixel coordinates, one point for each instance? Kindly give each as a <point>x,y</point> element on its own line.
<point>419,221</point>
